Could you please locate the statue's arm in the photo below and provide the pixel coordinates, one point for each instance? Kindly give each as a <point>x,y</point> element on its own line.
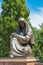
<point>26,38</point>
<point>22,39</point>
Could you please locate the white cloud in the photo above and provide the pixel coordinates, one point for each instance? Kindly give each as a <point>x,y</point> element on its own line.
<point>0,10</point>
<point>37,18</point>
<point>0,7</point>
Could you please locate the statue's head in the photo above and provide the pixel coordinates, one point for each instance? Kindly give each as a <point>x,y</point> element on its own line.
<point>22,22</point>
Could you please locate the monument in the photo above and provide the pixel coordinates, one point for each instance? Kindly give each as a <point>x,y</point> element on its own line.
<point>22,40</point>
<point>21,46</point>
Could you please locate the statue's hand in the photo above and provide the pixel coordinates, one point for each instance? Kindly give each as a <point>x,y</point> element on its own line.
<point>14,34</point>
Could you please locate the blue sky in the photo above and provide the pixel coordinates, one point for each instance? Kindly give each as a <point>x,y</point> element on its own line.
<point>34,4</point>
<point>36,11</point>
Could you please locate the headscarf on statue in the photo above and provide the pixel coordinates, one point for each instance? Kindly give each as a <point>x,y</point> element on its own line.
<point>27,31</point>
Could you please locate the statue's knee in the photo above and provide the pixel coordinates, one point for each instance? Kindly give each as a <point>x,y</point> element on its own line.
<point>28,51</point>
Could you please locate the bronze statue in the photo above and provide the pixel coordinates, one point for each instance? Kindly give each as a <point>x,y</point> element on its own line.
<point>22,40</point>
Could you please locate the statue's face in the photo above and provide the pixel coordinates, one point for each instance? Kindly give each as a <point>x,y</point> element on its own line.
<point>21,23</point>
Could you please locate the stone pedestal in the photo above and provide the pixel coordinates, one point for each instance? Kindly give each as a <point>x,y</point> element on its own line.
<point>19,61</point>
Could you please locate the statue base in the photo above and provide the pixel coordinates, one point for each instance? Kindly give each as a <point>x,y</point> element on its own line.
<point>19,61</point>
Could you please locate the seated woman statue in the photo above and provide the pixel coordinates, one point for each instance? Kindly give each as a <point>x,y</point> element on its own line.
<point>22,40</point>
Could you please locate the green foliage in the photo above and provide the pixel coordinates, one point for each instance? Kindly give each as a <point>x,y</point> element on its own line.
<point>38,47</point>
<point>15,8</point>
<point>11,11</point>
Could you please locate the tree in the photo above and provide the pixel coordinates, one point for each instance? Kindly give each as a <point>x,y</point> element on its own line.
<point>40,42</point>
<point>38,47</point>
<point>11,11</point>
